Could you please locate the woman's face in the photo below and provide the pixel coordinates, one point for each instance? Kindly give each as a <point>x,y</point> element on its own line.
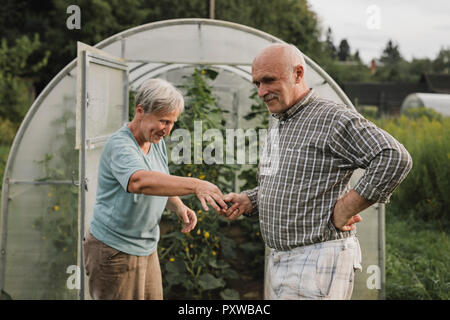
<point>154,126</point>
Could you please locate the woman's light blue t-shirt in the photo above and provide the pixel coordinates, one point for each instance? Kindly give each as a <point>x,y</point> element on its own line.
<point>126,221</point>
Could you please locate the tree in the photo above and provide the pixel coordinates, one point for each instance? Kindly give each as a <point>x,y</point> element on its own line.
<point>356,56</point>
<point>391,54</point>
<point>442,62</point>
<point>329,44</point>
<point>16,72</point>
<point>291,20</point>
<point>395,68</point>
<point>344,50</point>
<point>99,20</point>
<point>417,67</point>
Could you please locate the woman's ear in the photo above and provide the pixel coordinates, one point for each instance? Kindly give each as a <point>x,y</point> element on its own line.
<point>140,110</point>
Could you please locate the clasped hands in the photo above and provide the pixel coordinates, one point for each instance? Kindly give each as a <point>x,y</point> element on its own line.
<point>209,193</point>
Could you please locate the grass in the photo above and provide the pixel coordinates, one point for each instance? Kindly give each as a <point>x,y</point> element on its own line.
<point>417,260</point>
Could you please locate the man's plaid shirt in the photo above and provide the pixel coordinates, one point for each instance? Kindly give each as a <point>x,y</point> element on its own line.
<point>310,153</point>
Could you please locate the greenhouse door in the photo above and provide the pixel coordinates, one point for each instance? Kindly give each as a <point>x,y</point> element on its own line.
<point>102,108</point>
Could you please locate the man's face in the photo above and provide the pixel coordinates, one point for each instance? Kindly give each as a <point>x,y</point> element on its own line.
<point>154,126</point>
<point>276,85</point>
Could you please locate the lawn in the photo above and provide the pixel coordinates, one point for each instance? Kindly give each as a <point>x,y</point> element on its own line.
<point>417,259</point>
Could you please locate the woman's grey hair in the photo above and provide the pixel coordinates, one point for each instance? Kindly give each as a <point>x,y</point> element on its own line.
<point>159,96</point>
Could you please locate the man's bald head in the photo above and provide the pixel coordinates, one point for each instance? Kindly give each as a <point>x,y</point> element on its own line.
<point>288,55</point>
<point>278,72</point>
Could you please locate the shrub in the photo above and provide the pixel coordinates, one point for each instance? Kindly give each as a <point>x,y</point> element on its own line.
<point>424,192</point>
<point>417,113</point>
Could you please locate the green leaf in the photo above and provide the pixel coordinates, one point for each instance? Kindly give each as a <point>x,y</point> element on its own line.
<point>211,73</point>
<point>173,279</point>
<point>218,264</point>
<point>176,267</point>
<point>229,294</point>
<point>229,274</point>
<point>208,282</point>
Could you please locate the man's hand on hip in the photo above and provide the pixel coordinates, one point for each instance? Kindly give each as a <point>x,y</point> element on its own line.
<point>345,213</point>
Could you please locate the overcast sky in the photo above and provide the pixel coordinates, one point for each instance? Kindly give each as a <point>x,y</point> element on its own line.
<point>419,27</point>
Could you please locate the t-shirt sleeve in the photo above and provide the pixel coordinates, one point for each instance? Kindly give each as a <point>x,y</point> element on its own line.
<point>125,159</point>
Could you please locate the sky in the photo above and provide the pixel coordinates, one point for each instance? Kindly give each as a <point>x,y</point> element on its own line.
<point>420,27</point>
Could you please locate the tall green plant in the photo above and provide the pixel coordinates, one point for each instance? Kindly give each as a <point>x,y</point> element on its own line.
<point>193,264</point>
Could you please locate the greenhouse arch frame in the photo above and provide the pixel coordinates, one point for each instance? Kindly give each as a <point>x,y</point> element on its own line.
<point>40,163</point>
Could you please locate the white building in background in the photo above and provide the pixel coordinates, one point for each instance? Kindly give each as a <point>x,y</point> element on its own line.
<point>439,102</point>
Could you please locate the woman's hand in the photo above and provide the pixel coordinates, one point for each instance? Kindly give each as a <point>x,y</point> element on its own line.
<point>188,217</point>
<point>209,193</point>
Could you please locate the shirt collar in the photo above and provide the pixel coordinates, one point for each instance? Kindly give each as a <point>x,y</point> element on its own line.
<point>296,107</point>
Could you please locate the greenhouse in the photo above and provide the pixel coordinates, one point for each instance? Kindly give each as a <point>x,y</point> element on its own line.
<point>50,179</point>
<point>438,102</point>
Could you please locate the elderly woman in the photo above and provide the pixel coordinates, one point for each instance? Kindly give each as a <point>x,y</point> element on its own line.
<point>134,187</point>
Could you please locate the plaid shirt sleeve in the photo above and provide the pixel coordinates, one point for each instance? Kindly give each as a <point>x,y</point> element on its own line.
<point>253,196</point>
<point>358,143</point>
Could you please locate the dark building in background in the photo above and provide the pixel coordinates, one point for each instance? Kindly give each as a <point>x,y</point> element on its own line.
<point>388,97</point>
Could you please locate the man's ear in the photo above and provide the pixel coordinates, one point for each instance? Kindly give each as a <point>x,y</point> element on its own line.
<point>298,73</point>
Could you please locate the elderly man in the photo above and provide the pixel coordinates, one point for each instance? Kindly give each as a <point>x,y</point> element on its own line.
<point>306,211</point>
<point>134,187</point>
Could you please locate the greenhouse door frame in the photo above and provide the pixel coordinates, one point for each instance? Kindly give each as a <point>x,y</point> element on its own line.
<point>88,56</point>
